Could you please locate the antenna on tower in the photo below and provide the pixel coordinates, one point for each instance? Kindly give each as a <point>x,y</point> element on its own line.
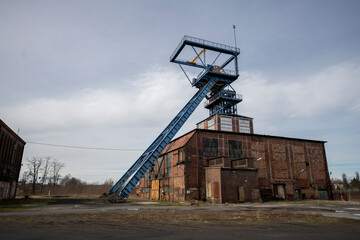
<point>235,35</point>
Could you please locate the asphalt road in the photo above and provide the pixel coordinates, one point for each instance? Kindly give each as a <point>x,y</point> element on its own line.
<point>292,232</point>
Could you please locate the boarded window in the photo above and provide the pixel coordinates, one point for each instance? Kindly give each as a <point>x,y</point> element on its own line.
<point>168,165</point>
<point>235,149</point>
<point>210,146</point>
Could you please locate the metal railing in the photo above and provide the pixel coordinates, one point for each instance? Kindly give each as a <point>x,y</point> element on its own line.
<point>223,95</point>
<point>225,71</point>
<point>222,71</point>
<point>206,42</point>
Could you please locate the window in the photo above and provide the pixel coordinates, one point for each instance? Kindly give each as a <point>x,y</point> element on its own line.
<point>160,167</point>
<point>210,146</point>
<point>226,124</point>
<point>235,149</point>
<point>168,165</point>
<point>181,155</point>
<point>244,126</point>
<point>211,124</point>
<point>152,175</point>
<point>146,177</point>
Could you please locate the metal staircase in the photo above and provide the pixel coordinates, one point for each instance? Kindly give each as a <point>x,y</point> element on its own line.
<point>210,80</point>
<point>129,180</point>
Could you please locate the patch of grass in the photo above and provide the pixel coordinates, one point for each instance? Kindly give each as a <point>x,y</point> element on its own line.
<point>14,205</point>
<point>20,204</point>
<point>167,203</point>
<point>156,202</point>
<point>150,218</point>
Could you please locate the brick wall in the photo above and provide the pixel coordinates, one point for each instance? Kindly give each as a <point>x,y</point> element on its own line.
<point>278,160</point>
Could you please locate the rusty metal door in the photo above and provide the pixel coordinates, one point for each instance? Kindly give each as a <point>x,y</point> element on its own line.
<point>241,194</point>
<point>281,191</point>
<point>155,189</point>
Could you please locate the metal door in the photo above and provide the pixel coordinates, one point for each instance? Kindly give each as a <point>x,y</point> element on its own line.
<point>241,194</point>
<point>323,195</point>
<point>155,189</point>
<point>281,191</point>
<point>297,194</point>
<point>208,190</point>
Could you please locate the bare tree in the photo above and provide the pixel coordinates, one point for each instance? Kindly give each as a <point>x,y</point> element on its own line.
<point>24,179</point>
<point>109,182</point>
<point>55,168</point>
<point>45,169</point>
<point>34,165</point>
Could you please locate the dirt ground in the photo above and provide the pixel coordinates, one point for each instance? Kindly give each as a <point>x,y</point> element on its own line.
<point>93,219</point>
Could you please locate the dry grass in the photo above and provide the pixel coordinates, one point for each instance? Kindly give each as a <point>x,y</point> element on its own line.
<point>170,217</point>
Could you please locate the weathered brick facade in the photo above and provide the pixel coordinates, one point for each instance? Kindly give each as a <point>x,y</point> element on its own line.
<point>240,167</point>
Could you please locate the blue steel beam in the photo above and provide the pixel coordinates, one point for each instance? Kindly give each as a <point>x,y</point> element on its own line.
<point>189,64</point>
<point>227,61</point>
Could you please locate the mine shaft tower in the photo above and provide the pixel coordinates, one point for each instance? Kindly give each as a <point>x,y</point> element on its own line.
<point>213,83</point>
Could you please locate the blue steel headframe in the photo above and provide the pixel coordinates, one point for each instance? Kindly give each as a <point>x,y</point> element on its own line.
<point>223,103</point>
<point>210,80</point>
<point>232,52</point>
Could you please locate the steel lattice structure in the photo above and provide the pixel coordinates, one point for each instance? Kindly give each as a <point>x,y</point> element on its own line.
<point>211,82</point>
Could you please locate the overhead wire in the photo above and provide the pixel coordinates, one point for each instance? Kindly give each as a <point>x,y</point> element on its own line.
<point>88,148</point>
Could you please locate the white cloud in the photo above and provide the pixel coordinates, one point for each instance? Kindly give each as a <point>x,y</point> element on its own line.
<point>133,115</point>
<point>124,117</point>
<point>154,93</point>
<point>329,91</point>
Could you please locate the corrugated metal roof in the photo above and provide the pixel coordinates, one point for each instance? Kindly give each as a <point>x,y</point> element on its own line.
<point>178,143</point>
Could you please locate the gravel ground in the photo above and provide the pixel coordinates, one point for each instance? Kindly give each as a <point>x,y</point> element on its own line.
<point>94,219</point>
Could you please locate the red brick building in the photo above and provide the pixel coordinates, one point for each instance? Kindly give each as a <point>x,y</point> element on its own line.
<point>224,161</point>
<point>11,152</point>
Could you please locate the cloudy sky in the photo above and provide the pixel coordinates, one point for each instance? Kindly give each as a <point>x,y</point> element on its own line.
<point>97,74</point>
